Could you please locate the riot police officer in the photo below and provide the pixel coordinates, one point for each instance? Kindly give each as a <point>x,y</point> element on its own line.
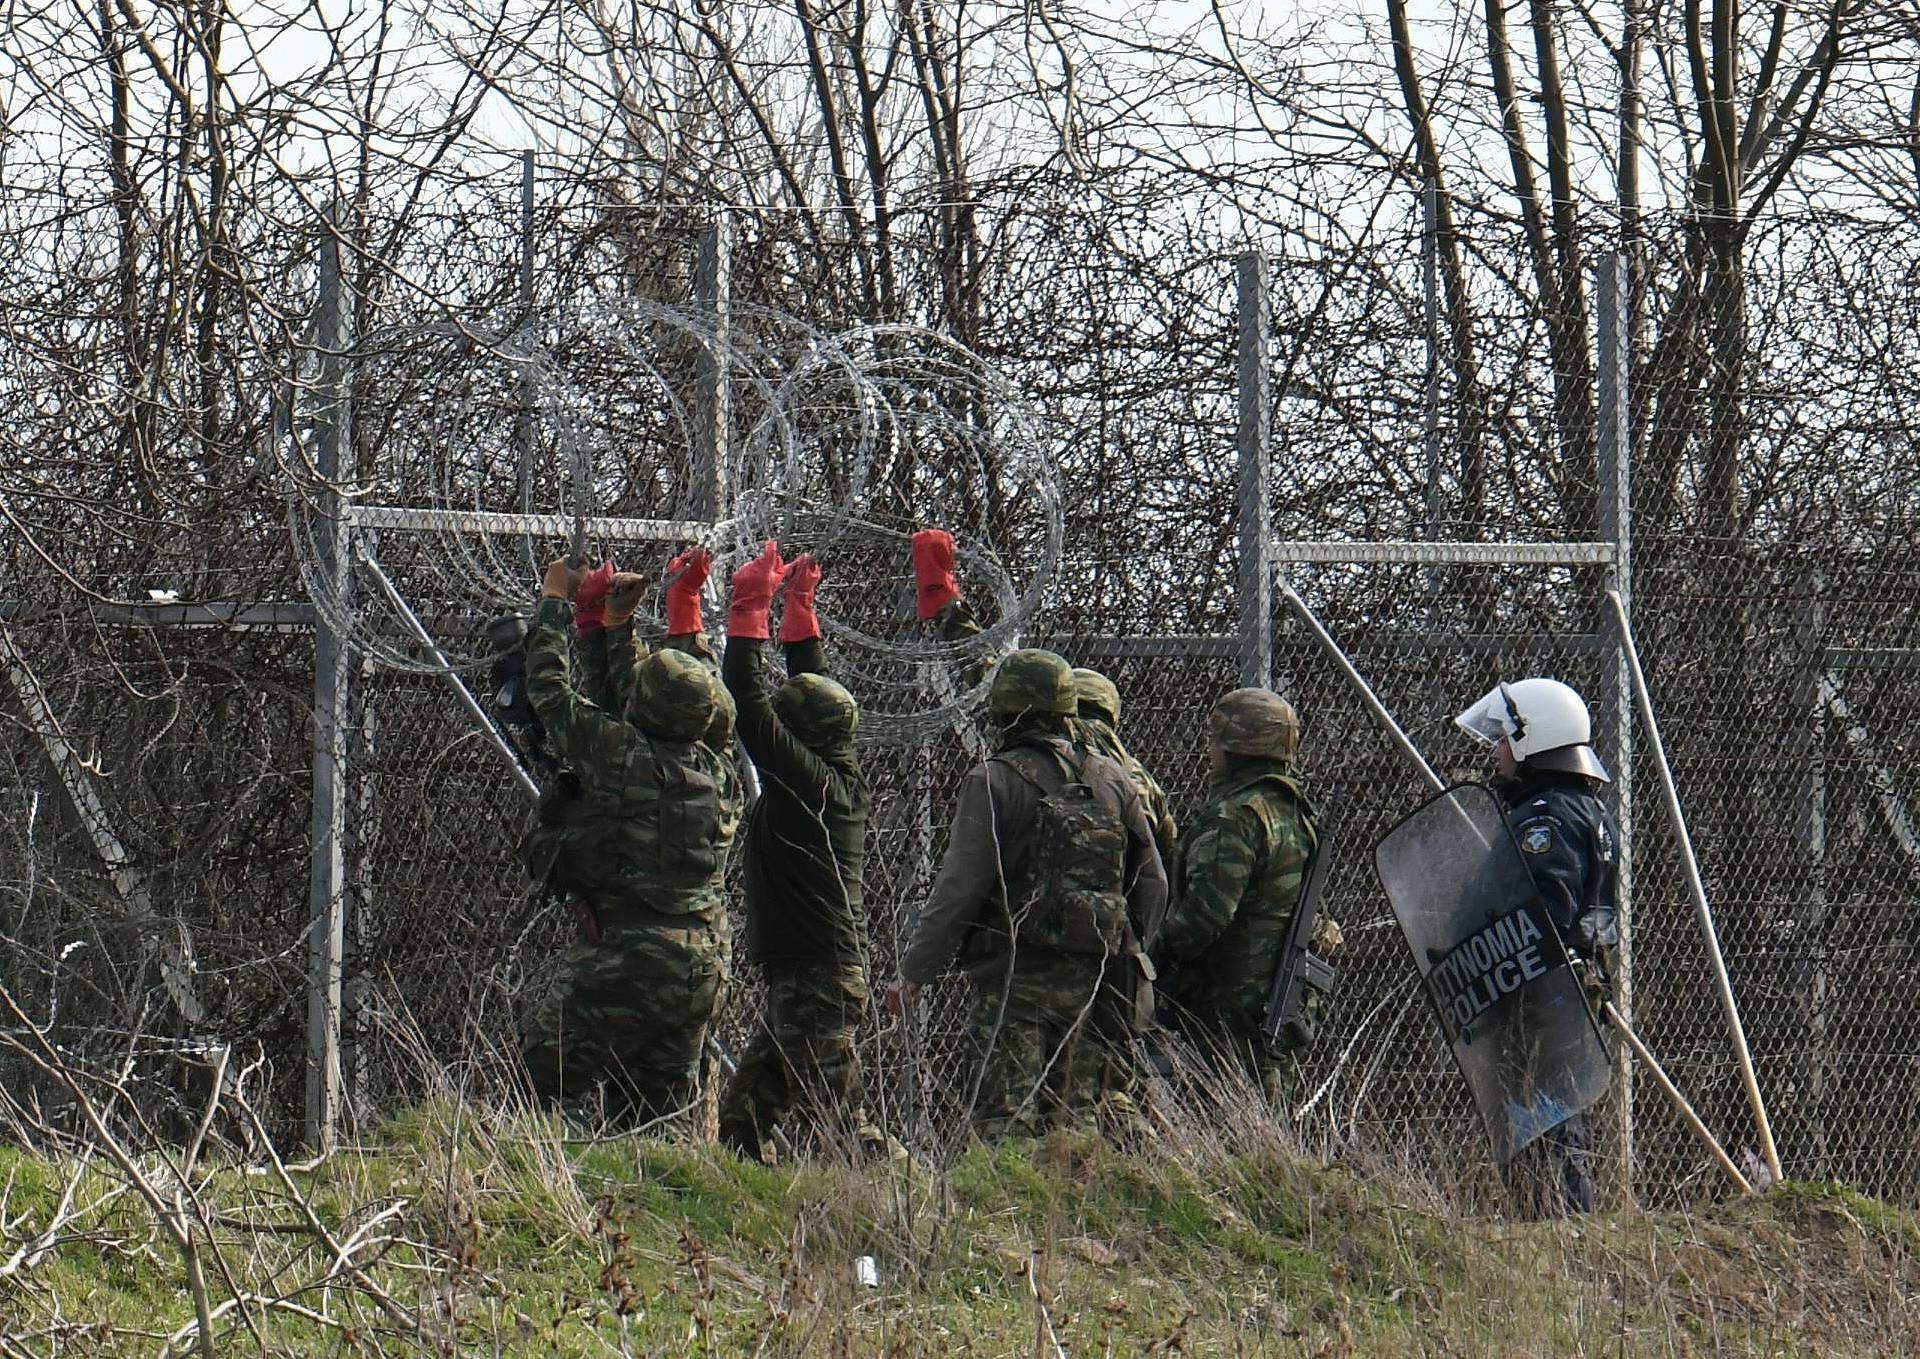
<point>1549,776</point>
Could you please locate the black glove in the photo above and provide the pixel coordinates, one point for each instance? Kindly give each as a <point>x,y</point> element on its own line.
<point>1596,930</point>
<point>1594,982</point>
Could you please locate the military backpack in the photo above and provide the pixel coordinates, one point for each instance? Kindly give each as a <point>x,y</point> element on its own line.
<point>1076,901</point>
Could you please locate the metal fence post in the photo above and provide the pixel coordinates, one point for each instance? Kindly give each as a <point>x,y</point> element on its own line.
<point>1256,424</point>
<point>1613,297</point>
<point>1812,978</point>
<point>327,883</point>
<point>1430,323</point>
<point>525,394</point>
<point>712,287</point>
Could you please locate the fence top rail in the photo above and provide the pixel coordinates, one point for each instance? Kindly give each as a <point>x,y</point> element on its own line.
<point>1285,551</point>
<point>405,519</point>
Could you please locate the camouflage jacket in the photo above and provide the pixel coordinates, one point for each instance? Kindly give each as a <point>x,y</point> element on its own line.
<point>806,838</point>
<point>989,861</point>
<point>662,813</point>
<point>1096,735</point>
<point>1237,880</point>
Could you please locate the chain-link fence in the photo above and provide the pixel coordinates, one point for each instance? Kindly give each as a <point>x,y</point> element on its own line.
<point>159,754</point>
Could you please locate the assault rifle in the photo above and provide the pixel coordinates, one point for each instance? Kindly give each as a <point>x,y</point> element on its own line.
<point>1287,1025</point>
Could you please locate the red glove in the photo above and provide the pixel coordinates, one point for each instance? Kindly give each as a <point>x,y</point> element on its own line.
<point>687,572</point>
<point>590,599</point>
<point>933,582</point>
<point>753,587</point>
<point>798,622</point>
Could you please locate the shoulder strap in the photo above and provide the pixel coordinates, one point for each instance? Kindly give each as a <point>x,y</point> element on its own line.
<point>1291,788</point>
<point>1049,750</point>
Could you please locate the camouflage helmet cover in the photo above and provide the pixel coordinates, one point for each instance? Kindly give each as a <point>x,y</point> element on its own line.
<point>817,709</point>
<point>1031,680</point>
<point>674,696</point>
<point>1098,695</point>
<point>1255,722</point>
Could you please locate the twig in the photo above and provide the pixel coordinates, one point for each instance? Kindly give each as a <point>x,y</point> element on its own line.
<point>341,1254</point>
<point>34,1249</point>
<point>1046,1318</point>
<point>172,1218</point>
<point>258,1299</point>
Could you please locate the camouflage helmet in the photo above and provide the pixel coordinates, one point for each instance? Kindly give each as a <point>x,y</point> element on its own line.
<point>674,696</point>
<point>1032,681</point>
<point>817,709</point>
<point>1098,695</point>
<point>1255,722</point>
<point>719,732</point>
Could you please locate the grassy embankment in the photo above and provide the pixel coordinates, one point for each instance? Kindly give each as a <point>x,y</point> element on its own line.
<point>451,1233</point>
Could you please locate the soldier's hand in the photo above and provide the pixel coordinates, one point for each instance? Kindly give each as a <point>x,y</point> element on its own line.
<point>753,585</point>
<point>798,621</point>
<point>901,996</point>
<point>686,573</point>
<point>1327,939</point>
<point>803,578</point>
<point>590,599</point>
<point>624,597</point>
<point>560,579</point>
<point>934,584</point>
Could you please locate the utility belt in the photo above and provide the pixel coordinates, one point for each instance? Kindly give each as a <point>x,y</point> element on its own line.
<point>599,918</point>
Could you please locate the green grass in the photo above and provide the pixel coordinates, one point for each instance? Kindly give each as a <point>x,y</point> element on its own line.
<point>502,1238</point>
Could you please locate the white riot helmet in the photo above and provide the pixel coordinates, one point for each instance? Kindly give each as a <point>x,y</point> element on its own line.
<point>1545,723</point>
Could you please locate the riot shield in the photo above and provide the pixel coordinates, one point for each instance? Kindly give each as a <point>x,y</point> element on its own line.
<point>1493,966</point>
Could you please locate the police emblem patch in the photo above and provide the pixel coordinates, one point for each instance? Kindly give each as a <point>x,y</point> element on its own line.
<point>1537,840</point>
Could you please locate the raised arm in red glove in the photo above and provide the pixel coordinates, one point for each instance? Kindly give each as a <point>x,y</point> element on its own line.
<point>798,623</point>
<point>753,587</point>
<point>590,599</point>
<point>934,586</point>
<point>686,574</point>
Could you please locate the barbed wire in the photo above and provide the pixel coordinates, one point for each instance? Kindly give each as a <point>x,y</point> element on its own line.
<point>844,443</point>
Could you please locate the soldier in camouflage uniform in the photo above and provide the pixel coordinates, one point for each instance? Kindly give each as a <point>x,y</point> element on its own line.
<point>805,856</point>
<point>1125,1015</point>
<point>1049,881</point>
<point>1237,879</point>
<point>609,653</point>
<point>1097,727</point>
<point>643,860</point>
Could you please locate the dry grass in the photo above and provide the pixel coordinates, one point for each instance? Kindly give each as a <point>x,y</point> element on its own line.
<point>475,1226</point>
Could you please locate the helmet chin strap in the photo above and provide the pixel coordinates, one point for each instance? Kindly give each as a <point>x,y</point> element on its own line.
<point>1514,719</point>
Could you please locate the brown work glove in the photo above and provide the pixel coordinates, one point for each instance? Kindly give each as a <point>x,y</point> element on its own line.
<point>1327,939</point>
<point>624,597</point>
<point>560,580</point>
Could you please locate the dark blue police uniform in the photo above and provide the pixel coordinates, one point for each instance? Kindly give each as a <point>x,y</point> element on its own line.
<point>1571,847</point>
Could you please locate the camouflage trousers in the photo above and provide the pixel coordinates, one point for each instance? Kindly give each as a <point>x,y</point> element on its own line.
<point>1051,1041</point>
<point>801,1061</point>
<point>1235,1047</point>
<point>631,1013</point>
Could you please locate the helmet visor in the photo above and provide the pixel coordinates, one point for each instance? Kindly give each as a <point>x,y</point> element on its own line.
<point>1492,718</point>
